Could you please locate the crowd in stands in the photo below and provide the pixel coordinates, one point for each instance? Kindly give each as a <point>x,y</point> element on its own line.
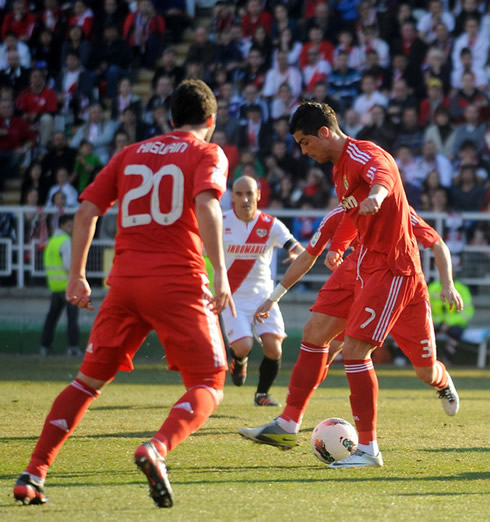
<point>412,76</point>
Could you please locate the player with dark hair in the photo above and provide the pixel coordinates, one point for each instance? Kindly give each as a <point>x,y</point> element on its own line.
<point>389,282</point>
<point>168,190</point>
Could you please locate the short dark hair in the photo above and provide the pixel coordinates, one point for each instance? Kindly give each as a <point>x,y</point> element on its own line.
<point>192,103</point>
<point>64,218</point>
<point>310,116</point>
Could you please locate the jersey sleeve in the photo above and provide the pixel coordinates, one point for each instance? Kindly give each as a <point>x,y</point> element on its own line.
<point>424,233</point>
<point>325,231</point>
<point>212,171</point>
<point>280,234</point>
<point>103,190</point>
<point>380,171</point>
<point>345,233</point>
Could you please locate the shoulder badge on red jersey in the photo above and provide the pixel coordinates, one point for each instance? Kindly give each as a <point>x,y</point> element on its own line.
<point>261,232</point>
<point>346,183</point>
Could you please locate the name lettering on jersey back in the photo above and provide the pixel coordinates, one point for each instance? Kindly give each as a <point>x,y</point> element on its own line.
<point>247,249</point>
<point>349,202</point>
<point>157,147</point>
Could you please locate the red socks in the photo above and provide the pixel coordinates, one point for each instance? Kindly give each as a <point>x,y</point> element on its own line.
<point>67,411</point>
<point>363,383</point>
<point>308,372</point>
<point>187,415</point>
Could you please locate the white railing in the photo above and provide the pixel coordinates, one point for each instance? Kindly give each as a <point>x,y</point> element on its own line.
<point>20,257</point>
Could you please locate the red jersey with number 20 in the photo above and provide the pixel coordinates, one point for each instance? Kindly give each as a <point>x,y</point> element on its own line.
<point>387,235</point>
<point>156,182</point>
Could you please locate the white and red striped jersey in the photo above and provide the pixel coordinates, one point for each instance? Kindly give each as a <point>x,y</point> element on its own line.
<point>248,252</point>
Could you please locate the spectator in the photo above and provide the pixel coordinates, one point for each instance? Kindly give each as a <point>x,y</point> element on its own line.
<point>444,42</point>
<point>144,31</point>
<point>59,155</point>
<point>471,129</point>
<point>77,43</point>
<point>468,94</point>
<point>465,65</point>
<point>370,41</point>
<point>442,133</point>
<point>98,131</point>
<point>249,156</point>
<point>413,178</point>
<point>251,96</point>
<point>58,203</point>
<point>367,15</point>
<point>113,13</point>
<point>281,133</point>
<point>435,98</point>
<point>399,100</point>
<point>410,45</point>
<point>283,104</point>
<point>253,71</point>
<point>63,185</point>
<point>433,160</point>
<point>160,97</point>
<point>167,66</point>
<point>229,55</point>
<point>320,16</point>
<point>261,40</point>
<point>254,133</point>
<point>468,155</point>
<point>46,52</point>
<point>378,128</point>
<point>135,128</point>
<point>431,184</point>
<point>369,96</point>
<point>16,140</point>
<point>203,51</point>
<point>254,17</point>
<point>75,87</point>
<point>222,19</point>
<point>471,38</point>
<point>468,9</point>
<point>110,60</point>
<point>315,191</point>
<point>14,76</point>
<point>121,140</point>
<point>87,165</point>
<point>57,260</point>
<point>125,98</point>
<point>344,82</point>
<point>410,132</point>
<point>347,13</point>
<point>351,124</point>
<point>282,21</point>
<point>320,94</point>
<point>435,14</point>
<point>291,46</point>
<point>242,42</point>
<point>439,202</point>
<point>19,21</point>
<point>11,42</point>
<point>53,18</point>
<point>316,41</point>
<point>437,66</point>
<point>38,104</point>
<point>82,16</point>
<point>346,45</point>
<point>467,195</point>
<point>447,320</point>
<point>33,180</point>
<point>305,226</point>
<point>231,152</point>
<point>285,161</point>
<point>177,19</point>
<point>316,70</point>
<point>282,73</point>
<point>226,123</point>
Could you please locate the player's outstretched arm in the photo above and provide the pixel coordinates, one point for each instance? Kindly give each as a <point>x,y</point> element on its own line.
<point>373,202</point>
<point>78,290</point>
<point>210,222</point>
<point>442,258</point>
<point>296,270</point>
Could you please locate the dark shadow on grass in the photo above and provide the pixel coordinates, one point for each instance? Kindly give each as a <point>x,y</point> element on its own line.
<point>455,450</point>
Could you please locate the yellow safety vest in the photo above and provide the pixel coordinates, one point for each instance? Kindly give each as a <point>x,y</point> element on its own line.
<point>53,263</point>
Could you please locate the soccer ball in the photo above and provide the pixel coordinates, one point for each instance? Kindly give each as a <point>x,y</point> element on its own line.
<point>333,439</point>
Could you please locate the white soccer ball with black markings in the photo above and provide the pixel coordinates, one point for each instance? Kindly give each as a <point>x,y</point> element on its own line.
<point>333,439</point>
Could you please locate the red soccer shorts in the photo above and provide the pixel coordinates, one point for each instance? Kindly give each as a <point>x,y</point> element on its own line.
<point>177,309</point>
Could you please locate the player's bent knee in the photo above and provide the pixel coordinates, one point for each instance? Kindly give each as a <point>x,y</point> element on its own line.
<point>426,374</point>
<point>214,382</point>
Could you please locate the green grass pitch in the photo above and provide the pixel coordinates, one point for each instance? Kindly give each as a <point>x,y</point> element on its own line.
<point>436,467</point>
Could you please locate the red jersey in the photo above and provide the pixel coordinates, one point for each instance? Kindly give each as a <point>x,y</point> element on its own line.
<point>44,102</point>
<point>387,235</point>
<point>156,182</point>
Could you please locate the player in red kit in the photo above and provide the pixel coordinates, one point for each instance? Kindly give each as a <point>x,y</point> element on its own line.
<point>168,190</point>
<point>388,280</point>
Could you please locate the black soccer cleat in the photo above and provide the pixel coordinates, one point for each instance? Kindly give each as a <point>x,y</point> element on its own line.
<point>28,491</point>
<point>152,464</point>
<point>238,371</point>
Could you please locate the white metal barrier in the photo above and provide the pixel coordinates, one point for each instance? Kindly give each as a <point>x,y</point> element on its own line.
<point>20,256</point>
